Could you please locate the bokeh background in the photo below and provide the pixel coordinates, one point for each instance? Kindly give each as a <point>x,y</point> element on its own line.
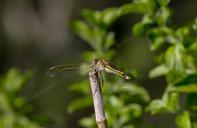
<point>35,35</point>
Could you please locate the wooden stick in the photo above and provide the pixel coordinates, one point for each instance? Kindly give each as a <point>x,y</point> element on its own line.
<point>97,99</point>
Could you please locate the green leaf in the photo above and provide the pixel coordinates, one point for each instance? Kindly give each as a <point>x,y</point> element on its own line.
<point>162,15</point>
<point>187,84</point>
<point>14,80</point>
<point>187,80</point>
<point>82,87</point>
<point>4,103</point>
<point>139,29</point>
<point>158,71</point>
<point>195,24</point>
<point>79,103</point>
<point>19,102</point>
<point>130,112</point>
<point>109,40</point>
<point>192,50</point>
<point>83,30</point>
<point>132,90</point>
<point>182,32</point>
<point>156,106</point>
<point>192,88</point>
<point>92,17</point>
<point>168,103</point>
<point>88,122</point>
<point>136,7</point>
<point>111,14</point>
<point>194,124</point>
<point>157,42</point>
<point>183,120</point>
<point>89,56</point>
<point>163,2</point>
<point>110,53</point>
<point>175,61</point>
<point>174,58</point>
<point>142,27</point>
<point>115,102</point>
<point>172,102</point>
<point>158,36</point>
<point>192,102</point>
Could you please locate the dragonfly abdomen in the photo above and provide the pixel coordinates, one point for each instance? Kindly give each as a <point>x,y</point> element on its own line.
<point>117,72</point>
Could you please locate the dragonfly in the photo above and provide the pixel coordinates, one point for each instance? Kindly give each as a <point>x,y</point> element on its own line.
<point>98,64</point>
<point>101,65</point>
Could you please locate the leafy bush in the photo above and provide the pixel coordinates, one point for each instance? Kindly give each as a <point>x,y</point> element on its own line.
<point>177,62</point>
<point>14,109</point>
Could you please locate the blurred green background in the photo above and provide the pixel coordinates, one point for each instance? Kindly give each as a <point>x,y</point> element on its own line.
<point>34,35</point>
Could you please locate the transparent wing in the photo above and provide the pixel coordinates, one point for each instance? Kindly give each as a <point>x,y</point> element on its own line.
<point>60,70</point>
<point>67,72</point>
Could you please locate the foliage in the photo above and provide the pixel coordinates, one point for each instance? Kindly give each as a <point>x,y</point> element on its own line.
<point>183,120</point>
<point>177,62</point>
<point>14,108</point>
<point>123,101</point>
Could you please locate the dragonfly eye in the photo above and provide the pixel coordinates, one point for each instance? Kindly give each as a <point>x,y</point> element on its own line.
<point>126,77</point>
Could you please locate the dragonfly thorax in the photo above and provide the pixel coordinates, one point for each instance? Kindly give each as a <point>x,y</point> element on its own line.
<point>99,64</point>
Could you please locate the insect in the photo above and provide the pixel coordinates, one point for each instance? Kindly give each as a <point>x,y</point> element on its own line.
<point>98,64</point>
<point>109,67</point>
<point>101,65</point>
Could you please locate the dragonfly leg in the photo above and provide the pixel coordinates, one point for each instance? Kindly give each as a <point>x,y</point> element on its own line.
<point>100,83</point>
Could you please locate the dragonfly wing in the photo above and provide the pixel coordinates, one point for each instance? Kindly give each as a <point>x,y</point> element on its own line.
<point>61,69</point>
<point>58,71</point>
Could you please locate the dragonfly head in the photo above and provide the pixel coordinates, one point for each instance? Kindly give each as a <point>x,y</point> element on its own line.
<point>98,64</point>
<point>126,77</point>
<point>129,76</point>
